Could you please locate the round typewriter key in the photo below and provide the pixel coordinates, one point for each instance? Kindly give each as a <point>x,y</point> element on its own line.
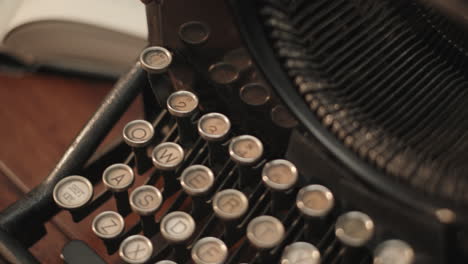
<point>279,176</point>
<point>223,73</point>
<point>354,229</point>
<point>281,116</point>
<point>230,204</point>
<point>239,58</point>
<point>73,192</point>
<point>108,225</point>
<point>315,201</point>
<point>246,151</point>
<point>394,251</point>
<point>196,181</point>
<point>177,227</point>
<point>118,178</point>
<point>145,201</point>
<point>214,126</point>
<point>167,157</point>
<point>255,94</point>
<point>209,250</point>
<point>166,262</point>
<point>300,253</point>
<point>136,249</point>
<point>155,59</point>
<point>138,134</point>
<point>183,105</point>
<point>265,232</point>
<point>194,32</point>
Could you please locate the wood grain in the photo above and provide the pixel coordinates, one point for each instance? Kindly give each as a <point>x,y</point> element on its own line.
<point>40,115</point>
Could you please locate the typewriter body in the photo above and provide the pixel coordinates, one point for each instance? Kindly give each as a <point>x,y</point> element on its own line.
<point>273,132</point>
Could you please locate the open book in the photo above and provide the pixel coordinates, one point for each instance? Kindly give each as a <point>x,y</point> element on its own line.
<point>95,36</point>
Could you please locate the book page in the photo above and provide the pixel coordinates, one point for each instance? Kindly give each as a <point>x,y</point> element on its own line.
<point>125,16</point>
<point>8,8</point>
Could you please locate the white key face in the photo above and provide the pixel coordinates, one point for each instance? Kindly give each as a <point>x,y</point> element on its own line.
<point>118,177</point>
<point>73,192</point>
<point>230,204</point>
<point>354,228</point>
<point>315,200</point>
<point>168,155</point>
<point>177,226</point>
<point>215,125</point>
<point>136,249</point>
<point>157,59</point>
<point>108,224</point>
<point>245,149</point>
<point>145,199</point>
<point>209,250</point>
<point>197,179</point>
<point>265,231</point>
<point>138,132</point>
<point>394,251</point>
<point>301,253</point>
<point>184,102</point>
<point>279,174</point>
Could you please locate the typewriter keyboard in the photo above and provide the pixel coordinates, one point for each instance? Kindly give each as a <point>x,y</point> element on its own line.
<point>207,179</point>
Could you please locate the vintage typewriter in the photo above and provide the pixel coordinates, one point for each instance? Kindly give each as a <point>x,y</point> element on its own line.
<point>274,131</point>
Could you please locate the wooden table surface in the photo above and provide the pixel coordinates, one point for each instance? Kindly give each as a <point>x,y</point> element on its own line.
<point>40,114</point>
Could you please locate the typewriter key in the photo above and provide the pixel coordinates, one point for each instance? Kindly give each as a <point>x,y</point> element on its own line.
<point>183,105</point>
<point>245,151</point>
<point>156,61</point>
<point>73,192</point>
<point>239,58</point>
<point>230,205</point>
<point>223,74</point>
<point>315,203</point>
<point>194,33</point>
<point>167,157</point>
<point>196,181</point>
<point>165,262</point>
<point>209,250</point>
<point>177,228</point>
<point>145,201</point>
<point>255,95</point>
<point>300,253</point>
<point>109,226</point>
<point>354,229</point>
<point>136,249</point>
<point>279,176</point>
<point>265,233</point>
<point>214,128</point>
<point>394,251</point>
<point>138,134</point>
<point>283,122</point>
<point>118,178</point>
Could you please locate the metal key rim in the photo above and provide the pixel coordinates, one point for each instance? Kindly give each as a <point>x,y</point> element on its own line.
<point>64,181</point>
